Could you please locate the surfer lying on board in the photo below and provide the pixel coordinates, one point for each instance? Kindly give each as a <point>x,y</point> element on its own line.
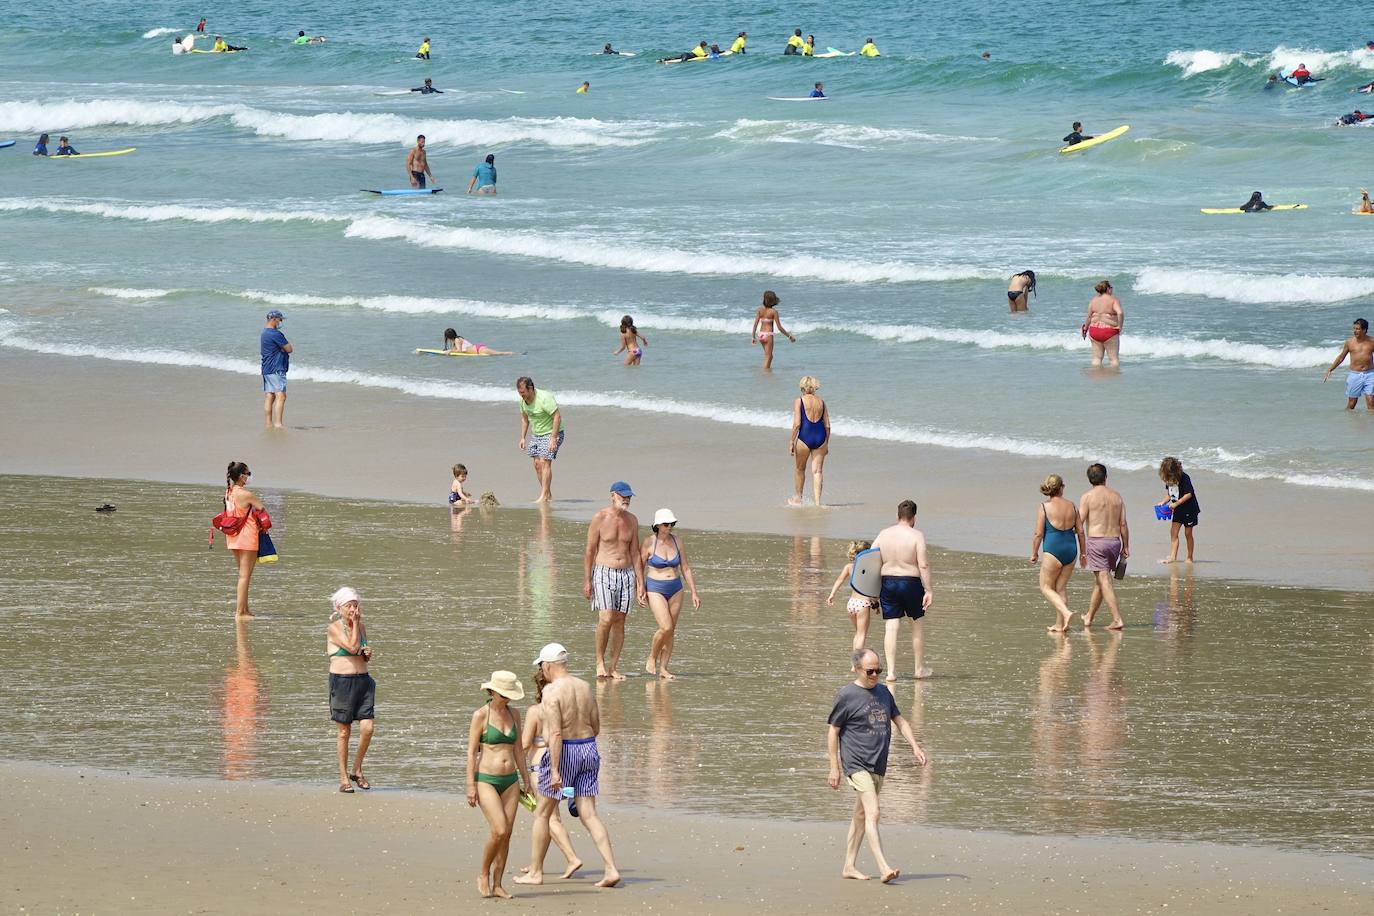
<point>453,342</point>
<point>1077,136</point>
<point>1302,75</point>
<point>608,49</point>
<point>428,88</point>
<point>222,46</point>
<point>1255,204</point>
<point>1367,88</point>
<point>1355,117</point>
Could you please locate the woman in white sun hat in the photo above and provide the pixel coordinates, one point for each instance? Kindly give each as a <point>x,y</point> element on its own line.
<point>497,774</point>
<point>665,570</point>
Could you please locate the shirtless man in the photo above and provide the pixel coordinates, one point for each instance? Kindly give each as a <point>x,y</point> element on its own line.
<point>613,573</point>
<point>571,722</point>
<point>906,590</point>
<point>1360,379</point>
<point>418,164</point>
<point>765,320</point>
<point>1102,513</point>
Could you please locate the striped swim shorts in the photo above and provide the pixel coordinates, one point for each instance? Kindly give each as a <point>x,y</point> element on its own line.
<point>579,766</point>
<point>612,589</point>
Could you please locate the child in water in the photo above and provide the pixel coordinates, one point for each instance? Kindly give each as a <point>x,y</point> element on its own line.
<point>457,496</point>
<point>1181,499</point>
<point>632,342</point>
<point>859,606</point>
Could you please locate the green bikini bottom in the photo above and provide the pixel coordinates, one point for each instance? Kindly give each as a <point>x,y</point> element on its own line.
<point>501,783</point>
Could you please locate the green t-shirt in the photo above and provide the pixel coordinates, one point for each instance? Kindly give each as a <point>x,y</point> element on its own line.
<point>540,412</point>
<point>302,40</point>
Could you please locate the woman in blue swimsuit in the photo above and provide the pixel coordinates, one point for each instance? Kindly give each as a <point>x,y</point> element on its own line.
<point>810,438</point>
<point>1059,537</point>
<point>665,569</point>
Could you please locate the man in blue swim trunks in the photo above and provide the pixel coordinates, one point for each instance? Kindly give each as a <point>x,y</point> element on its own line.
<point>1360,379</point>
<point>906,588</point>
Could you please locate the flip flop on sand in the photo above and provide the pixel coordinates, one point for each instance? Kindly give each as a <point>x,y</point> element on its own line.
<point>360,780</point>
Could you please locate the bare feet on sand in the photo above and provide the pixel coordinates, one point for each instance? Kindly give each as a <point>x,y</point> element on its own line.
<point>855,874</point>
<point>794,502</point>
<point>573,866</point>
<point>1117,625</point>
<point>245,615</point>
<point>499,891</point>
<point>482,886</point>
<point>611,879</point>
<point>530,877</point>
<point>923,672</point>
<point>889,877</point>
<point>667,675</point>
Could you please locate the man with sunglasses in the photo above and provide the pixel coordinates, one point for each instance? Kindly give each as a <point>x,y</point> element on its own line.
<point>860,736</point>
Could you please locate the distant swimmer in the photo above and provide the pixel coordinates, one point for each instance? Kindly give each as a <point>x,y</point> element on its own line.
<point>428,88</point>
<point>200,26</point>
<point>608,49</point>
<point>417,163</point>
<point>1255,204</point>
<point>1365,205</point>
<point>1272,81</point>
<point>1019,290</point>
<point>484,176</point>
<point>1367,88</point>
<point>869,49</point>
<point>740,41</point>
<point>304,39</point>
<point>1355,117</point>
<point>423,53</point>
<point>1076,135</point>
<point>1369,45</point>
<point>41,147</point>
<point>818,92</point>
<point>584,88</point>
<point>809,46</point>
<point>1360,379</point>
<point>64,148</point>
<point>987,55</point>
<point>766,320</point>
<point>794,44</point>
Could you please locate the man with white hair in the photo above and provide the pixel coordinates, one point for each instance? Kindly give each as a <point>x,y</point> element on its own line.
<point>572,720</point>
<point>860,736</point>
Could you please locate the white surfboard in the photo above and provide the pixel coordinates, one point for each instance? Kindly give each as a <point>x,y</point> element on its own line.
<point>867,579</point>
<point>800,98</point>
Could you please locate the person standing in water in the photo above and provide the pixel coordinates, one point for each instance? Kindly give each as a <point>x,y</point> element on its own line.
<point>860,607</point>
<point>858,742</point>
<point>1366,205</point>
<point>906,589</point>
<point>794,44</point>
<point>275,351</point>
<point>541,432</point>
<point>665,570</point>
<point>810,440</point>
<point>41,147</point>
<point>417,163</point>
<point>352,691</point>
<point>612,568</point>
<point>496,765</point>
<point>869,49</point>
<point>243,544</point>
<point>765,321</point>
<point>632,343</point>
<point>1181,499</point>
<point>1059,535</point>
<point>1103,324</point>
<point>1019,290</point>
<point>1360,379</point>
<point>200,26</point>
<point>484,176</point>
<point>423,53</point>
<point>1102,513</point>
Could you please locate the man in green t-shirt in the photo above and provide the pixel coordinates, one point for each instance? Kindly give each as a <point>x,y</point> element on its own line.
<point>541,432</point>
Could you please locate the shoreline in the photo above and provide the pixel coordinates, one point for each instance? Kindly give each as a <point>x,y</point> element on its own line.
<point>92,839</point>
<point>346,441</point>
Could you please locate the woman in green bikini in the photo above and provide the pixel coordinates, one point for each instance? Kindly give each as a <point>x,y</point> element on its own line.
<point>497,774</point>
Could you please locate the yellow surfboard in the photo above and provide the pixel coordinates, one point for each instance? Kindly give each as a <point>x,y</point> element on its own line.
<point>113,152</point>
<point>1102,138</point>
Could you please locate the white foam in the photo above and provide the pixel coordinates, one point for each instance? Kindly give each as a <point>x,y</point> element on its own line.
<point>1252,288</point>
<point>1201,61</point>
<point>575,250</point>
<point>351,127</point>
<point>119,292</point>
<point>1285,59</point>
<point>153,33</point>
<point>72,114</point>
<point>418,305</point>
<point>851,136</point>
<point>156,213</point>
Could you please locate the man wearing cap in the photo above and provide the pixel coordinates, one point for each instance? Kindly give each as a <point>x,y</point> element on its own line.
<point>572,721</point>
<point>613,573</point>
<point>276,359</point>
<point>541,426</point>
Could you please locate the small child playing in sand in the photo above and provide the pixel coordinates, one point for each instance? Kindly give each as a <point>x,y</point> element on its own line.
<point>859,606</point>
<point>457,496</point>
<point>632,342</point>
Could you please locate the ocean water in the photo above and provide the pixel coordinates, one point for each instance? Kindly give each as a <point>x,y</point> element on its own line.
<point>887,219</point>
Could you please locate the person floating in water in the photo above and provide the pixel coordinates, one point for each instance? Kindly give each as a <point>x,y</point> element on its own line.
<point>1367,88</point>
<point>1365,205</point>
<point>584,88</point>
<point>428,88</point>
<point>869,49</point>
<point>423,53</point>
<point>1019,290</point>
<point>1369,45</point>
<point>987,55</point>
<point>740,41</point>
<point>818,92</point>
<point>64,148</point>
<point>484,176</point>
<point>1355,117</point>
<point>41,147</point>
<point>1272,81</point>
<point>304,39</point>
<point>794,44</point>
<point>1255,204</point>
<point>1077,136</point>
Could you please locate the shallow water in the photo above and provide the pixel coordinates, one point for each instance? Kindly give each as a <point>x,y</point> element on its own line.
<point>1230,713</point>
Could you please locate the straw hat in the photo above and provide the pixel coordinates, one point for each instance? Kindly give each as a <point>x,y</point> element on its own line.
<point>506,684</point>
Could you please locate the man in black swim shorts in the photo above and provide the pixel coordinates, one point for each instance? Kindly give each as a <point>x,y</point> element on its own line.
<point>906,586</point>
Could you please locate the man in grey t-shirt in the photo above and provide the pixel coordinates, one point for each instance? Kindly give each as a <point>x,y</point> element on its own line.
<point>860,735</point>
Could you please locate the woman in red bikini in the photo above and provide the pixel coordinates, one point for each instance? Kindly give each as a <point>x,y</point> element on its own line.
<point>1103,325</point>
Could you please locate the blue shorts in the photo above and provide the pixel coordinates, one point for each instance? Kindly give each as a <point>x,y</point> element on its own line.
<point>901,596</point>
<point>276,381</point>
<point>1359,383</point>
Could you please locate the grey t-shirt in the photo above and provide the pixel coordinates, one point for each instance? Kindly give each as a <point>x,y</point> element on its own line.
<point>864,718</point>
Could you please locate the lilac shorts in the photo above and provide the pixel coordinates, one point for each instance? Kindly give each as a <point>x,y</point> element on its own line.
<point>579,767</point>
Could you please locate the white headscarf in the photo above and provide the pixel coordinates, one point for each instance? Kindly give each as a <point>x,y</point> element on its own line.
<point>340,598</point>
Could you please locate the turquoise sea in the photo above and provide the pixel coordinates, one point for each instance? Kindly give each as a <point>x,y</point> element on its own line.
<point>887,218</point>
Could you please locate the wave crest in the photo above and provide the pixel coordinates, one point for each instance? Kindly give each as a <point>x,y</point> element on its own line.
<point>1253,289</point>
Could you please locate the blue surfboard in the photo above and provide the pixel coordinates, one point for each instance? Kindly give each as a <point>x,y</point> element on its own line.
<point>6,144</point>
<point>403,192</point>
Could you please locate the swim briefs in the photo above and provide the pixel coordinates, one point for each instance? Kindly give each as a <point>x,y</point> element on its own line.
<point>1013,296</point>
<point>1359,383</point>
<point>901,596</point>
<point>1102,333</point>
<point>857,606</point>
<point>351,697</point>
<point>612,589</point>
<point>579,767</point>
<point>1103,553</point>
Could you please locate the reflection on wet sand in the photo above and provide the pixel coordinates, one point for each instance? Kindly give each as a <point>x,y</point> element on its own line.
<point>806,578</point>
<point>1052,728</point>
<point>907,791</point>
<point>241,712</point>
<point>536,569</point>
<point>1103,734</point>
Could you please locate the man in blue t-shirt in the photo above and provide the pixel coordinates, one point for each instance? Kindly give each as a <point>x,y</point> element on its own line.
<point>276,359</point>
<point>860,735</point>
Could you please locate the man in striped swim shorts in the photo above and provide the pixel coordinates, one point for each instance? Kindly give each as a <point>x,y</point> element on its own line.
<point>572,720</point>
<point>613,575</point>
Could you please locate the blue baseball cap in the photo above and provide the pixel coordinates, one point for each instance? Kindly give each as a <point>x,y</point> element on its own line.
<point>621,488</point>
<point>276,313</point>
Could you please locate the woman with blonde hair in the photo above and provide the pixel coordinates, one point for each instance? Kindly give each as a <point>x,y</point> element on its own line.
<point>496,766</point>
<point>810,439</point>
<point>860,607</point>
<point>1055,545</point>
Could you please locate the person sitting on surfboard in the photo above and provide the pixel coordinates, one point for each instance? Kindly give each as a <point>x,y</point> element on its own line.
<point>1077,136</point>
<point>1301,75</point>
<point>818,92</point>
<point>428,88</point>
<point>1255,204</point>
<point>608,49</point>
<point>808,48</point>
<point>869,49</point>
<point>64,148</point>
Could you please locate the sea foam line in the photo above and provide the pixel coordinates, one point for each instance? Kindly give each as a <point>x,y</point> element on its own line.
<point>154,33</point>
<point>774,419</point>
<point>1253,289</point>
<point>121,292</point>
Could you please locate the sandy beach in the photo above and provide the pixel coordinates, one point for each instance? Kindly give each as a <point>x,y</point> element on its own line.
<point>88,840</point>
<point>99,418</point>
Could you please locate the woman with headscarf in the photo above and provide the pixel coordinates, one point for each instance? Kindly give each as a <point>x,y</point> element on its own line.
<point>352,691</point>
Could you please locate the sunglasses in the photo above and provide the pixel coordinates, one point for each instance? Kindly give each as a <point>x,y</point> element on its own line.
<point>872,672</point>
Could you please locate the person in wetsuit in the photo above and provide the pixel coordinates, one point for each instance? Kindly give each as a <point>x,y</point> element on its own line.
<point>1255,204</point>
<point>41,147</point>
<point>608,49</point>
<point>1355,117</point>
<point>1077,136</point>
<point>428,88</point>
<point>818,92</point>
<point>64,148</point>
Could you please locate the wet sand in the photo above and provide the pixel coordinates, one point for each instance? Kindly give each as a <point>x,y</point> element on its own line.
<point>93,418</point>
<point>93,840</point>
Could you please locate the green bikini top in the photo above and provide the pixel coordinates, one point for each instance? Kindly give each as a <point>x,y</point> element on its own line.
<point>493,735</point>
<point>359,654</point>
